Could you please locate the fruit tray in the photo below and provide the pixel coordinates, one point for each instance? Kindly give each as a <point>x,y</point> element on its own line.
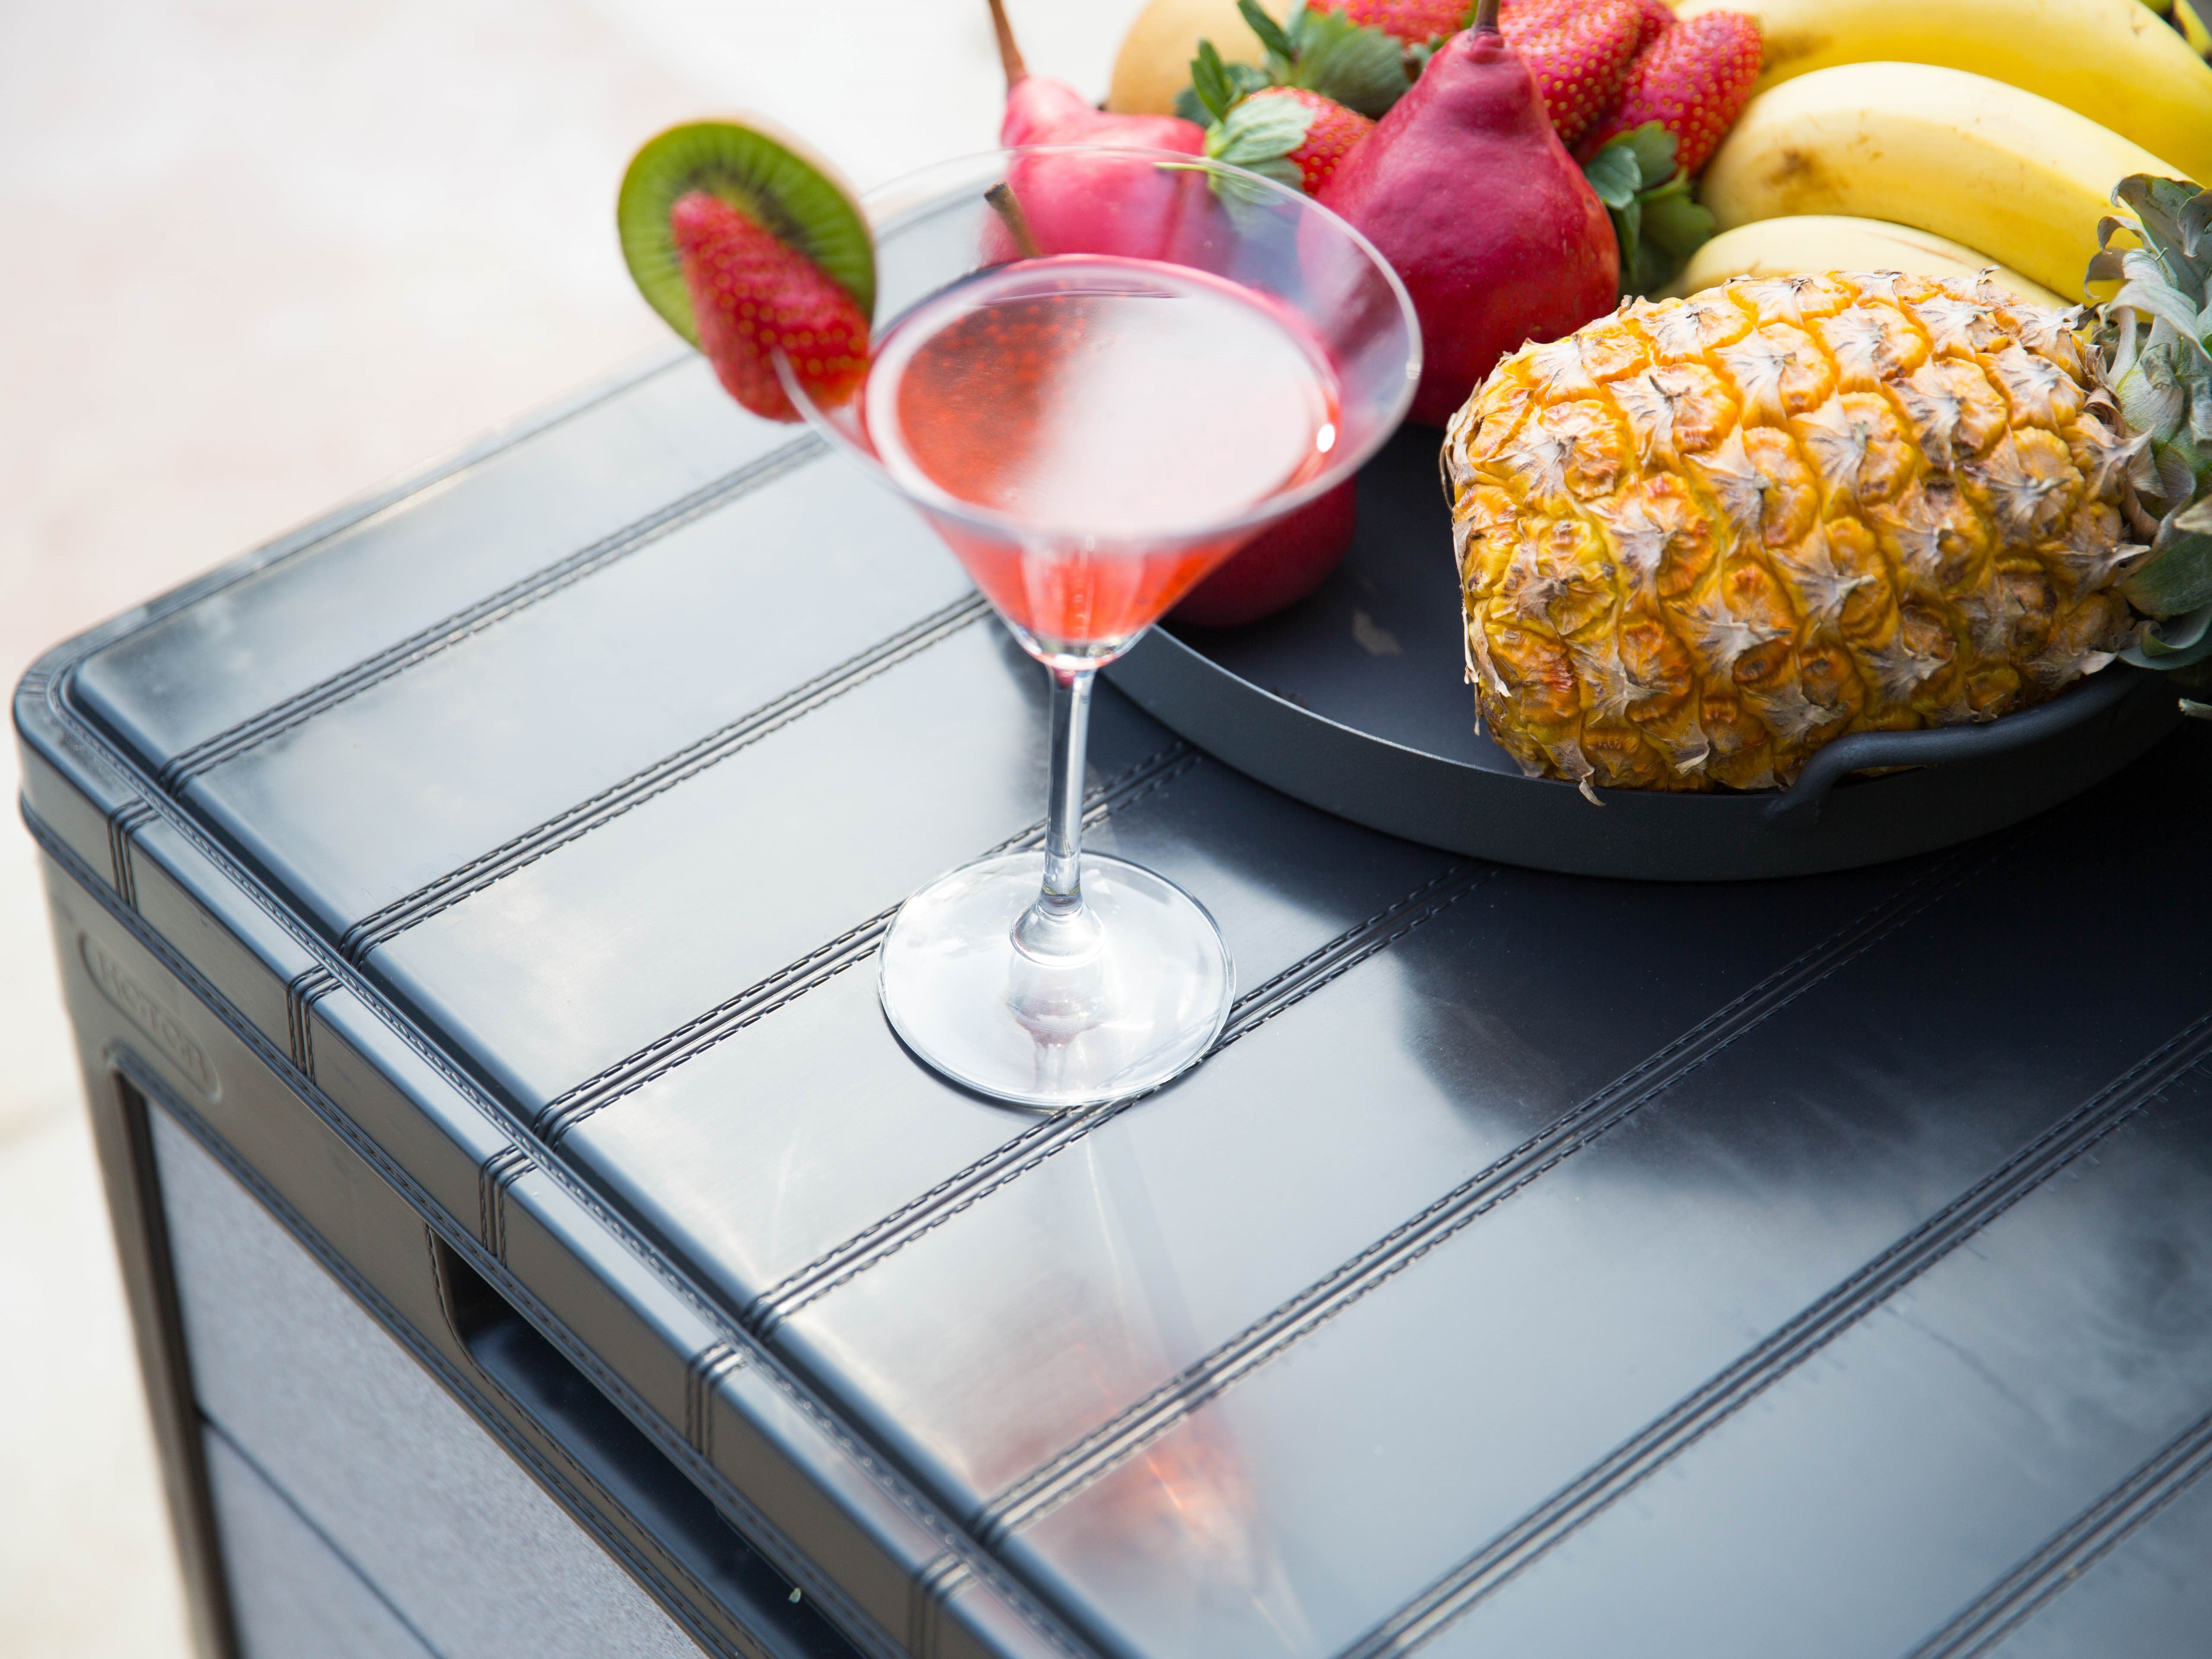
<point>1354,701</point>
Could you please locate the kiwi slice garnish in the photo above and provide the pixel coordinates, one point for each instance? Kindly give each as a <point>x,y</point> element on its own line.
<point>793,195</point>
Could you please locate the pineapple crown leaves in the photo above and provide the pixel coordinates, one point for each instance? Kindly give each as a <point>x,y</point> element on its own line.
<point>1325,52</point>
<point>2154,335</point>
<point>1647,196</point>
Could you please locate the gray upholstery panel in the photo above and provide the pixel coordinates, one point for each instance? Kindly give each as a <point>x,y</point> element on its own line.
<point>367,1445</point>
<point>290,1592</point>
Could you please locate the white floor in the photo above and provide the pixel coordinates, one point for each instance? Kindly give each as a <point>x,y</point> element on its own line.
<point>258,256</point>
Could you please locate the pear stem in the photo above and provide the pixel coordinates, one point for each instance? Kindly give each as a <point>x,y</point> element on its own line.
<point>1008,207</point>
<point>1010,55</point>
<point>1486,16</point>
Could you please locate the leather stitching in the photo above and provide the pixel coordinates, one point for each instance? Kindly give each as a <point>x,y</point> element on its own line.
<point>487,612</point>
<point>386,923</point>
<point>1031,1149</point>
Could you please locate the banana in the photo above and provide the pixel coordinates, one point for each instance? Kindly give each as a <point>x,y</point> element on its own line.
<point>2193,31</point>
<point>2111,60</point>
<point>1816,241</point>
<point>1938,149</point>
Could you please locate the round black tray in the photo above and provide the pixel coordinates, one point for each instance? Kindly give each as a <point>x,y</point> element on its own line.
<point>1354,701</point>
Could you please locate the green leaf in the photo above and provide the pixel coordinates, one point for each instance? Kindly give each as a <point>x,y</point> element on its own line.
<point>1655,223</point>
<point>2194,222</point>
<point>1244,80</point>
<point>1209,80</point>
<point>2150,394</point>
<point>2178,643</point>
<point>1677,224</point>
<point>1269,31</point>
<point>2177,479</point>
<point>1628,234</point>
<point>2177,580</point>
<point>2156,298</point>
<point>1654,148</point>
<point>2141,264</point>
<point>1614,175</point>
<point>1363,69</point>
<point>1260,130</point>
<point>2160,207</point>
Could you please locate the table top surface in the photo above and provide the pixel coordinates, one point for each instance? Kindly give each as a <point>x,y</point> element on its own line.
<point>1540,1265</point>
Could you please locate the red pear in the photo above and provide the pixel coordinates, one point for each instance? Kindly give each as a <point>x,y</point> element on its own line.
<point>1074,206</point>
<point>1468,191</point>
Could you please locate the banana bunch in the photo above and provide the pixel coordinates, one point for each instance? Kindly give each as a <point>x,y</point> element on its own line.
<point>2111,61</point>
<point>1999,126</point>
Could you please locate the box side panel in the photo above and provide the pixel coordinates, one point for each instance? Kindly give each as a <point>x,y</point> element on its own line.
<point>295,1593</point>
<point>360,1440</point>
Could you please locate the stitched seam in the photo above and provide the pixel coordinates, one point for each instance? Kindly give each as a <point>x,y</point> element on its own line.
<point>1072,1126</point>
<point>2137,1500</point>
<point>1821,1322</point>
<point>350,515</point>
<point>933,1588</point>
<point>488,869</point>
<point>1042,1126</point>
<point>780,991</point>
<point>675,1038</point>
<point>1105,1449</point>
<point>777,990</point>
<point>125,822</point>
<point>487,612</point>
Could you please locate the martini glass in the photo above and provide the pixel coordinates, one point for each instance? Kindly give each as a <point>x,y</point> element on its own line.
<point>1104,372</point>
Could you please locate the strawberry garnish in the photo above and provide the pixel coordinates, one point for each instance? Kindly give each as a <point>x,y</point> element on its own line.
<point>1413,21</point>
<point>1694,80</point>
<point>752,293</point>
<point>1578,51</point>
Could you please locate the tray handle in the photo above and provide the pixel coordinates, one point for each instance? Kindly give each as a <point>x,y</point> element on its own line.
<point>1798,807</point>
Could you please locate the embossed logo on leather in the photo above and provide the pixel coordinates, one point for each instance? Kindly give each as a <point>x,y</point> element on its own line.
<point>167,1033</point>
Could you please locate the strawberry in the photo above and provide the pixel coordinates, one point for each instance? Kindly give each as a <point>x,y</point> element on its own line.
<point>1413,21</point>
<point>1657,17</point>
<point>1694,80</point>
<point>751,292</point>
<point>1288,125</point>
<point>1578,51</point>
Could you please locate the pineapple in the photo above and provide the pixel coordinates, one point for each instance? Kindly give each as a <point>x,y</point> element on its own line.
<point>1700,538</point>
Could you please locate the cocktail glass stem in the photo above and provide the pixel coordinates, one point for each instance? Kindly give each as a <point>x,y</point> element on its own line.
<point>1058,926</point>
<point>1056,979</point>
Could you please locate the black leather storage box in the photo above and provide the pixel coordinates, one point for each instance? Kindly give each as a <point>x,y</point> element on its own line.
<point>539,1246</point>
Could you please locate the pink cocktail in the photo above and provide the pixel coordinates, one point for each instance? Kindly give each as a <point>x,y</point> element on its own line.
<point>1103,405</point>
<point>1092,429</point>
